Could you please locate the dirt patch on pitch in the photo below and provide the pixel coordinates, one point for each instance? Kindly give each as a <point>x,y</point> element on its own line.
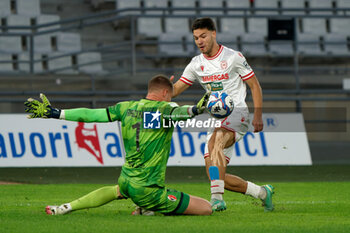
<point>8,182</point>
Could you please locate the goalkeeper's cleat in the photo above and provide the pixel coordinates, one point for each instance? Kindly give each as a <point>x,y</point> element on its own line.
<point>217,205</point>
<point>267,203</point>
<point>57,210</point>
<point>141,211</point>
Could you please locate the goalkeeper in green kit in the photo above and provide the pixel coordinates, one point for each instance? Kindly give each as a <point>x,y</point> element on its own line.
<point>147,147</point>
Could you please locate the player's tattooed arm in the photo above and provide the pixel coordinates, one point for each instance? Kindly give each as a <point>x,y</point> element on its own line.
<point>255,88</point>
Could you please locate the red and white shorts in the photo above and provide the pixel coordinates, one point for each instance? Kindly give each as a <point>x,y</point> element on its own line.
<point>237,122</point>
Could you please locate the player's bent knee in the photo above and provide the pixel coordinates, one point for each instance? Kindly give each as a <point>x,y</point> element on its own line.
<point>119,195</point>
<point>198,206</point>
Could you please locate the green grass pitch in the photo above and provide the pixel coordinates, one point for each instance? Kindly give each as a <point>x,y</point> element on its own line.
<point>300,207</point>
<point>307,199</point>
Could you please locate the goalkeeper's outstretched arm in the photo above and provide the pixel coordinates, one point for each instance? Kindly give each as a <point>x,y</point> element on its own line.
<point>187,111</point>
<point>45,110</point>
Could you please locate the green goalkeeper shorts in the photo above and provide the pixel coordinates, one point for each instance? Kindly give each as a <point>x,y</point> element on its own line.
<point>155,198</point>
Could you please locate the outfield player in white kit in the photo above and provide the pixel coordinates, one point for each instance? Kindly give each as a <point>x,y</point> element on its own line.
<point>225,70</point>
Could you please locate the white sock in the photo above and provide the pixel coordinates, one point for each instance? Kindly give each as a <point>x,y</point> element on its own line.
<point>255,191</point>
<point>217,188</point>
<point>66,207</point>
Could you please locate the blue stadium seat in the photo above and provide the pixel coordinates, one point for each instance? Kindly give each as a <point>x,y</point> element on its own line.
<point>175,47</point>
<point>228,40</point>
<point>184,4</point>
<point>238,4</point>
<point>11,44</point>
<point>257,26</point>
<point>5,8</point>
<point>42,44</point>
<point>314,26</point>
<point>343,4</point>
<point>149,26</point>
<point>28,7</point>
<point>211,4</point>
<point>336,45</point>
<point>44,19</point>
<point>68,42</point>
<point>232,25</point>
<point>18,20</point>
<point>155,4</point>
<point>253,45</point>
<point>309,45</point>
<point>25,67</point>
<point>266,4</point>
<point>281,48</point>
<point>322,4</point>
<point>177,25</point>
<point>286,5</point>
<point>64,63</point>
<point>92,61</point>
<point>123,4</point>
<point>8,66</point>
<point>340,26</point>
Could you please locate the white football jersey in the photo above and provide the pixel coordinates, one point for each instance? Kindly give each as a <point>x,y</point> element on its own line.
<point>225,71</point>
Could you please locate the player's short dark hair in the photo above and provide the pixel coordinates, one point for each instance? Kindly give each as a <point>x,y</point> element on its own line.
<point>160,81</point>
<point>204,23</point>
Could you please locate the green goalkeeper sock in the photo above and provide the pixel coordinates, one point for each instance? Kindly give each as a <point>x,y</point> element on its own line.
<point>95,198</point>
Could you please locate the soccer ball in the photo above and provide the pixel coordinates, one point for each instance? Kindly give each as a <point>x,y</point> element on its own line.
<point>220,105</point>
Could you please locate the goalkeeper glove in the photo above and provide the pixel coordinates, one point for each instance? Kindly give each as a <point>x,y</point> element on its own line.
<point>41,110</point>
<point>202,103</point>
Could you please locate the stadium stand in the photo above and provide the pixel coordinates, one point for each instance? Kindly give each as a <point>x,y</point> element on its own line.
<point>309,45</point>
<point>90,63</point>
<point>149,26</point>
<point>286,5</point>
<point>343,4</point>
<point>190,4</point>
<point>68,42</point>
<point>8,66</point>
<point>315,26</point>
<point>28,7</point>
<point>191,48</point>
<point>43,44</point>
<point>257,26</point>
<point>326,5</point>
<point>155,4</point>
<point>211,4</point>
<point>78,42</point>
<point>153,24</point>
<point>279,48</point>
<point>336,44</point>
<point>45,19</point>
<point>238,4</point>
<point>11,44</point>
<point>177,25</point>
<point>23,63</point>
<point>228,39</point>
<point>273,4</point>
<point>61,63</point>
<point>124,4</point>
<point>233,25</point>
<point>254,44</point>
<point>5,8</point>
<point>340,26</point>
<point>172,44</point>
<point>19,20</point>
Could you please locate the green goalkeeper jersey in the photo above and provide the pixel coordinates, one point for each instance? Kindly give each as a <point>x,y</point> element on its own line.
<point>147,149</point>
